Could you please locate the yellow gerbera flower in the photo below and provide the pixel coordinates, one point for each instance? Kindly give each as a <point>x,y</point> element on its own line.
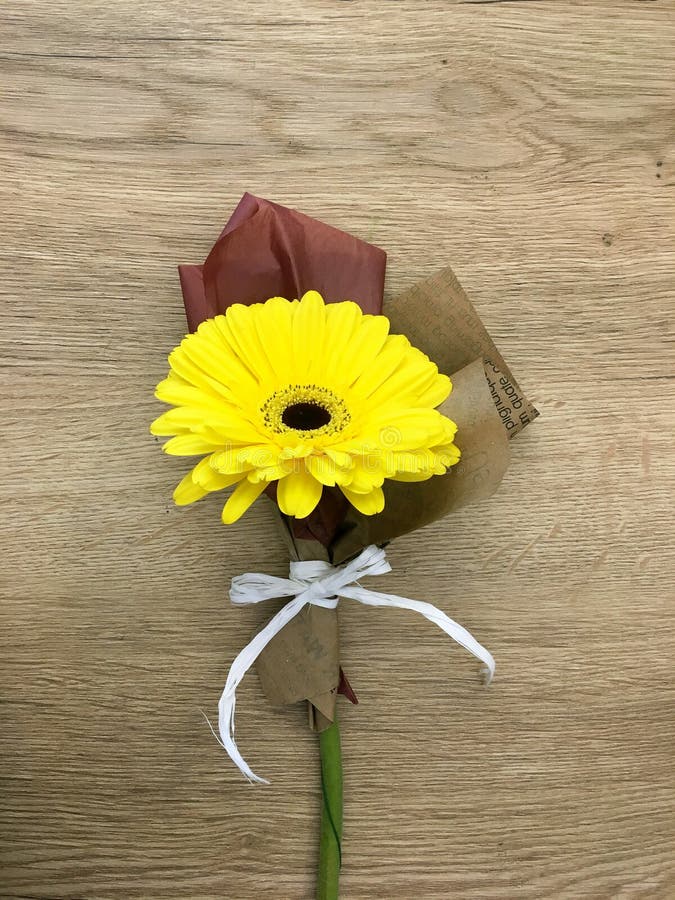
<point>307,394</point>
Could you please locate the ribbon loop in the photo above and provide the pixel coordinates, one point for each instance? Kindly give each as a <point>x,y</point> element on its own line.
<point>318,583</point>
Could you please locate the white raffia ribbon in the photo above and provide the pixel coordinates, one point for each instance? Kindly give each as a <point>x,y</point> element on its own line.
<point>321,584</point>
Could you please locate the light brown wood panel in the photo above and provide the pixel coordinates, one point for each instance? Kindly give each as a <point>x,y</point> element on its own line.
<point>530,146</point>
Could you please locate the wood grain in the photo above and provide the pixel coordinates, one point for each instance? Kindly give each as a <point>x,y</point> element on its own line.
<point>530,146</point>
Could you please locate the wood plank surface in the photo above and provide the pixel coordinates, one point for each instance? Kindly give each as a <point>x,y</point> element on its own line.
<point>530,146</point>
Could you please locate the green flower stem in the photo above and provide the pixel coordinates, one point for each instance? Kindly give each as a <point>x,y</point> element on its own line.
<point>330,847</point>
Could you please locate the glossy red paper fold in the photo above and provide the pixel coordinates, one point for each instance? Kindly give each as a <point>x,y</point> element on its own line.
<point>267,250</point>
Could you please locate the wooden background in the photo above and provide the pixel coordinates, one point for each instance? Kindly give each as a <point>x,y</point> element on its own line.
<point>529,145</point>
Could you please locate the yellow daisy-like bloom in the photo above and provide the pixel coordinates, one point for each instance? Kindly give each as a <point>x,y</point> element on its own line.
<point>307,394</point>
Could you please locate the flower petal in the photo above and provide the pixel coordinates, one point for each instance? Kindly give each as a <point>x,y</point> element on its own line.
<point>385,363</point>
<point>169,423</point>
<point>177,391</point>
<point>209,479</point>
<point>187,491</point>
<point>274,325</point>
<point>365,346</point>
<point>322,468</point>
<point>240,500</point>
<point>298,494</point>
<point>369,504</point>
<point>244,336</point>
<point>188,445</point>
<point>368,473</point>
<point>342,322</point>
<point>309,322</point>
<point>438,391</point>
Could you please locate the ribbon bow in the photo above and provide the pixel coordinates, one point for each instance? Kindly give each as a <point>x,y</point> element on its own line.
<point>321,584</point>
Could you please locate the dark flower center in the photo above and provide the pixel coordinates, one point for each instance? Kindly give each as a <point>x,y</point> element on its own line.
<point>305,416</point>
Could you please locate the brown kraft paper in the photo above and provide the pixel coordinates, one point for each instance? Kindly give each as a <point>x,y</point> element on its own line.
<point>437,317</point>
<point>302,662</point>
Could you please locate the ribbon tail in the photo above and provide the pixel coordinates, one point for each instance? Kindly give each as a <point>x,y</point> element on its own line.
<point>453,629</point>
<point>242,663</point>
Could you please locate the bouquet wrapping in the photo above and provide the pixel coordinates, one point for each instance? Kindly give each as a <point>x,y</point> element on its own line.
<point>342,490</point>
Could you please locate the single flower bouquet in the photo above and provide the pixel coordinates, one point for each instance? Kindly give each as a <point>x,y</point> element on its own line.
<point>358,425</point>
